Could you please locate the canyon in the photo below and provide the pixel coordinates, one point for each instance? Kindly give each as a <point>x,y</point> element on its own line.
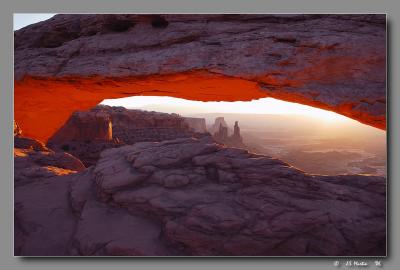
<point>181,193</point>
<point>222,134</point>
<point>334,62</point>
<point>95,180</point>
<point>87,133</point>
<point>191,197</point>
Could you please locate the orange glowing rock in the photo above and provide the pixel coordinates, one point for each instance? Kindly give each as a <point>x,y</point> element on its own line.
<point>42,105</point>
<point>54,99</point>
<point>73,62</point>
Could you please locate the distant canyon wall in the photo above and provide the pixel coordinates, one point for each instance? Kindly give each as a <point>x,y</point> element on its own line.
<point>86,134</point>
<point>196,124</point>
<point>73,62</point>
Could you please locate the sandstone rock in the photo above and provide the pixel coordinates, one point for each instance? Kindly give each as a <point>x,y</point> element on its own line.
<point>218,122</point>
<point>17,129</point>
<point>87,151</point>
<point>105,230</point>
<point>28,143</point>
<point>221,136</point>
<point>87,134</point>
<point>236,133</point>
<point>131,126</point>
<point>33,161</point>
<point>34,166</point>
<point>212,200</point>
<point>170,155</point>
<point>334,62</point>
<point>44,221</point>
<point>196,124</point>
<point>222,133</point>
<point>83,126</point>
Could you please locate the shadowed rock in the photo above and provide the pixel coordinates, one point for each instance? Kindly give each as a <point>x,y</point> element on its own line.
<point>84,126</point>
<point>196,124</point>
<point>195,197</point>
<point>17,129</point>
<point>218,123</point>
<point>33,161</point>
<point>31,165</point>
<point>86,134</point>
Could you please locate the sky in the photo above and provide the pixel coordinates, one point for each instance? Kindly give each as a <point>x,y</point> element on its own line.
<point>23,19</point>
<point>188,107</point>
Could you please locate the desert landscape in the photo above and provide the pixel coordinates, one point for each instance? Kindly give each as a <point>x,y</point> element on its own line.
<point>96,175</point>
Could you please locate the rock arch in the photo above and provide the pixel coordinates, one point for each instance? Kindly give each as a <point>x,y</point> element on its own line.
<point>73,62</point>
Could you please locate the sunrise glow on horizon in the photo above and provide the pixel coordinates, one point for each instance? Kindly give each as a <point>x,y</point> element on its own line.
<point>188,107</point>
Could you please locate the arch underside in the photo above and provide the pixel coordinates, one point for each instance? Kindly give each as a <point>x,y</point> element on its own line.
<point>336,63</point>
<point>43,106</point>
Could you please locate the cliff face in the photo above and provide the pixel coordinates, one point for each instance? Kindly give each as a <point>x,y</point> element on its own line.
<point>196,124</point>
<point>83,126</point>
<point>17,129</point>
<point>86,134</point>
<point>218,122</point>
<point>334,62</point>
<point>236,138</point>
<point>34,162</point>
<point>194,197</point>
<point>131,126</point>
<point>222,135</point>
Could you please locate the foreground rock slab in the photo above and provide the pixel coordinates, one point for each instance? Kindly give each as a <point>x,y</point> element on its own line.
<point>195,197</point>
<point>33,162</point>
